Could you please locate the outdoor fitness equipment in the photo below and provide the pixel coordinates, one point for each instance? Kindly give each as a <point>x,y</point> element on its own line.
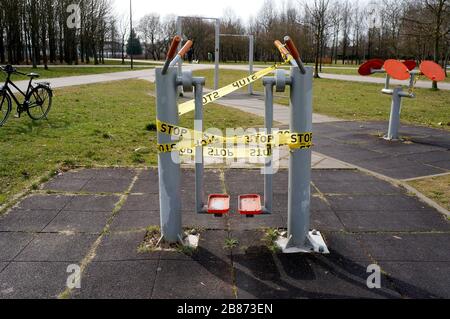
<point>216,41</point>
<point>400,70</point>
<point>299,237</point>
<point>251,53</point>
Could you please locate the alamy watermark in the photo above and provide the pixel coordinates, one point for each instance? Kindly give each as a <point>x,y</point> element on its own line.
<point>374,280</point>
<point>74,19</point>
<point>74,279</point>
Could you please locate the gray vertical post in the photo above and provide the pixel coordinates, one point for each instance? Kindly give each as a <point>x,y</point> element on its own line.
<point>168,163</point>
<point>300,159</point>
<point>180,33</point>
<point>217,54</point>
<point>268,123</point>
<point>388,82</point>
<point>394,122</point>
<point>251,54</point>
<point>199,159</point>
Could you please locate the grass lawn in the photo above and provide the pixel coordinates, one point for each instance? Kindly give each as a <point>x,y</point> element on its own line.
<point>359,101</point>
<point>92,125</point>
<point>437,188</point>
<point>62,72</point>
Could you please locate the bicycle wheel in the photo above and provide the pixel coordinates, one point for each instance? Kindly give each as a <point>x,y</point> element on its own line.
<point>40,102</point>
<point>5,107</point>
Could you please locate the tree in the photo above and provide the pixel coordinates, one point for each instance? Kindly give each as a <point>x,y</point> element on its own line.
<point>150,28</point>
<point>134,46</point>
<point>319,20</point>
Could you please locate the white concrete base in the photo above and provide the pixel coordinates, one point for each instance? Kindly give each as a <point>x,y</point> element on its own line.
<point>191,241</point>
<point>315,244</point>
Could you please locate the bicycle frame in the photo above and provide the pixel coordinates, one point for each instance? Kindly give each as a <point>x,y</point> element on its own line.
<point>12,95</point>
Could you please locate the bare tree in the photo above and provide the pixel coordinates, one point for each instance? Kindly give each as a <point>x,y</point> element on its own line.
<point>318,13</point>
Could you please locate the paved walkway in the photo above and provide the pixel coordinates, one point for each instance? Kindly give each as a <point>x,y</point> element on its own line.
<point>424,151</point>
<point>98,218</point>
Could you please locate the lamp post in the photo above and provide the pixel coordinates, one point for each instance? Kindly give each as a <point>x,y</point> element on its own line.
<point>131,35</point>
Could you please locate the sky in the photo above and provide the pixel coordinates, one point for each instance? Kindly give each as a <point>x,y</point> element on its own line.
<point>210,8</point>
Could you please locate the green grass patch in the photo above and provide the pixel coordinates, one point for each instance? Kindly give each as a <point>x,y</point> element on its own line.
<point>62,72</point>
<point>102,124</point>
<point>359,101</point>
<point>436,188</point>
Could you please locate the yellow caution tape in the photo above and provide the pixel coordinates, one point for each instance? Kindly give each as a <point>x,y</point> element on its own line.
<point>222,92</point>
<point>218,152</point>
<point>192,138</point>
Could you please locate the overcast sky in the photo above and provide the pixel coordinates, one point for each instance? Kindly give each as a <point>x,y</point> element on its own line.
<point>210,8</point>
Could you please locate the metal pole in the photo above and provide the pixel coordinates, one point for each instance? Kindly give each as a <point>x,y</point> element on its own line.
<point>300,159</point>
<point>268,123</point>
<point>394,122</point>
<point>180,63</point>
<point>168,163</point>
<point>131,35</point>
<point>388,82</point>
<point>251,53</point>
<point>199,157</point>
<point>217,55</point>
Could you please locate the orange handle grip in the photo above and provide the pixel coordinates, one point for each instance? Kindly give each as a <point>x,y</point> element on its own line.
<point>292,48</point>
<point>173,48</point>
<point>281,47</point>
<point>186,48</point>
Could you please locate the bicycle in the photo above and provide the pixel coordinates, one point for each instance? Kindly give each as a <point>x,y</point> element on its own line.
<point>37,99</point>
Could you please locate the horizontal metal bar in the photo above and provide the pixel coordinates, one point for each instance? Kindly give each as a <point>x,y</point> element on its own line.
<point>201,18</point>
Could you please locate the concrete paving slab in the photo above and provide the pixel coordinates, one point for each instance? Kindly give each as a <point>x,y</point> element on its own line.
<point>376,203</point>
<point>78,222</point>
<point>426,247</point>
<point>33,280</point>
<point>44,202</point>
<point>357,187</point>
<point>275,220</point>
<point>11,244</point>
<point>3,266</point>
<point>263,275</point>
<point>407,172</point>
<point>442,164</point>
<point>357,143</point>
<point>118,280</point>
<point>51,247</point>
<point>123,246</point>
<point>337,176</point>
<point>346,246</point>
<point>393,221</point>
<point>98,185</point>
<point>135,220</point>
<point>92,203</point>
<point>325,220</point>
<point>65,183</point>
<point>420,280</point>
<point>203,221</point>
<point>212,182</point>
<point>193,280</point>
<point>212,249</point>
<point>103,173</point>
<point>141,202</point>
<point>27,220</point>
<point>386,225</point>
<point>147,182</point>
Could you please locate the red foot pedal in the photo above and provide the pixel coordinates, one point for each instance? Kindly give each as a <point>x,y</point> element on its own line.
<point>250,205</point>
<point>219,204</point>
